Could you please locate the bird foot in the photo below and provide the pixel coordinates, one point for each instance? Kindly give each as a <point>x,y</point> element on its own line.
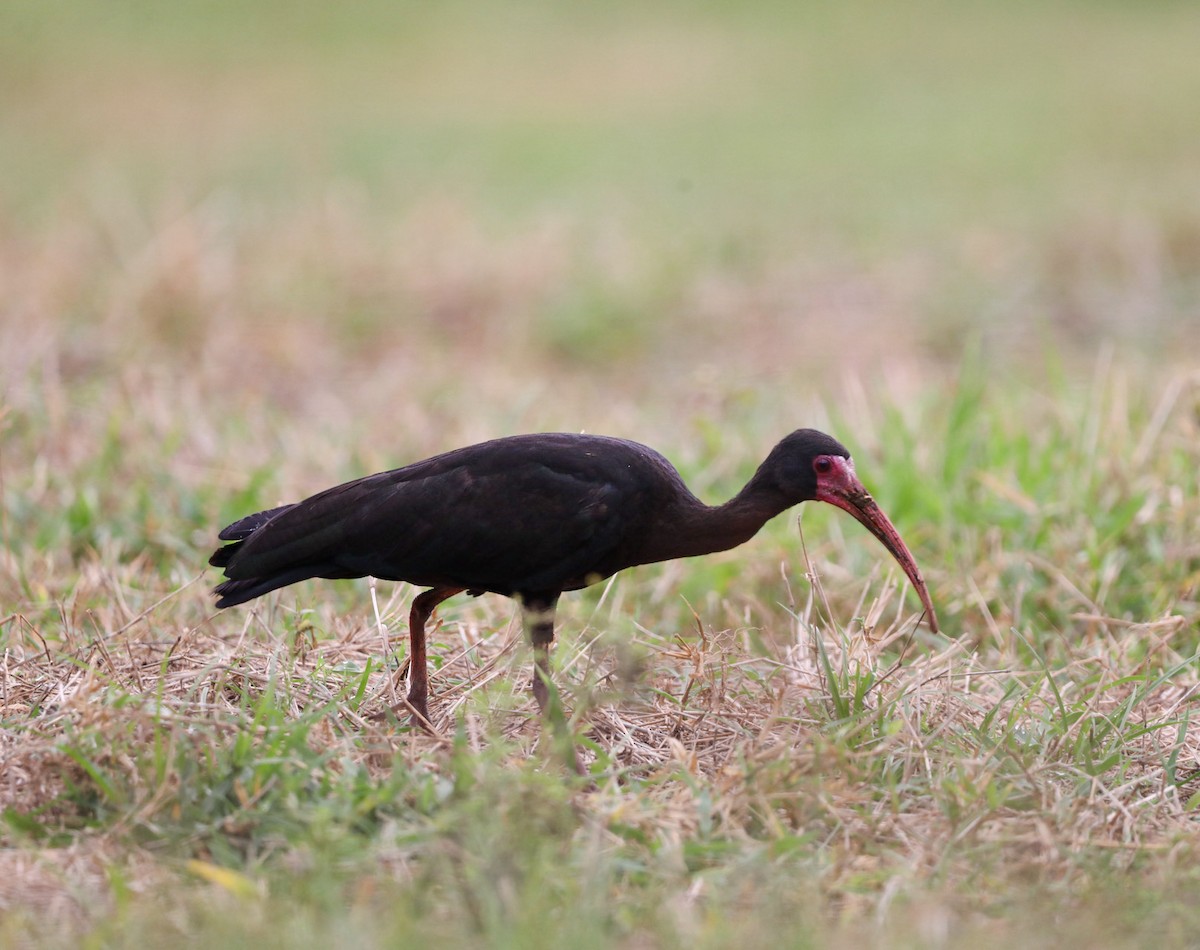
<point>418,714</point>
<point>555,719</point>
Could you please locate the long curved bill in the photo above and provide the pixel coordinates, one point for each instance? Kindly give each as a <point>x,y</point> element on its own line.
<point>845,491</point>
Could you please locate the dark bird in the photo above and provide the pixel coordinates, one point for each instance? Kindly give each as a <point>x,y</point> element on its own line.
<point>529,517</point>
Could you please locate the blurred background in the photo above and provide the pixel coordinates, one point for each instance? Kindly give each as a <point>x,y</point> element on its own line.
<point>266,245</point>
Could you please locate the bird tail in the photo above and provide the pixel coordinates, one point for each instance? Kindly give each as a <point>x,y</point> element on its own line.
<point>239,531</point>
<point>233,592</point>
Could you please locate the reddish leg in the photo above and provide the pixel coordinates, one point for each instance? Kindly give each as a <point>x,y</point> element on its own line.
<point>418,669</point>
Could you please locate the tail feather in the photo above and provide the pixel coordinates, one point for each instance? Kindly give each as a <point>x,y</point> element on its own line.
<point>222,555</point>
<point>231,593</point>
<point>241,529</point>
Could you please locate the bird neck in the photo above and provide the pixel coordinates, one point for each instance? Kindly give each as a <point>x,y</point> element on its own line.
<point>694,528</point>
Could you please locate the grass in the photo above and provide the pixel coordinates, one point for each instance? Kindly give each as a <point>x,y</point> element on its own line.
<point>236,271</point>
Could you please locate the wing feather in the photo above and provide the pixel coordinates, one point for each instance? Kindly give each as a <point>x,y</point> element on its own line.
<point>529,516</point>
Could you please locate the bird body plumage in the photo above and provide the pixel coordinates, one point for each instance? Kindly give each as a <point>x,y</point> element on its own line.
<point>520,515</point>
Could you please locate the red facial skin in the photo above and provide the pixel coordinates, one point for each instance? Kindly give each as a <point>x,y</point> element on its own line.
<point>838,485</point>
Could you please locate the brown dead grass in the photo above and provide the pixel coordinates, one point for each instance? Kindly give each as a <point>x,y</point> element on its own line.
<point>702,705</point>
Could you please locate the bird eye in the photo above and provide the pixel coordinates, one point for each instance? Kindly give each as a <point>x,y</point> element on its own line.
<point>822,465</point>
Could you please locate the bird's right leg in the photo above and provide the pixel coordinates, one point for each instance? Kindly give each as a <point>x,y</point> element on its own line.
<point>418,670</point>
<point>539,618</point>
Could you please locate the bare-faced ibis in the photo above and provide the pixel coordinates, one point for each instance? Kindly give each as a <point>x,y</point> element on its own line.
<point>529,517</point>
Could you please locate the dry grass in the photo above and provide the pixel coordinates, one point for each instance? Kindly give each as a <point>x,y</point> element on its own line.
<point>899,764</point>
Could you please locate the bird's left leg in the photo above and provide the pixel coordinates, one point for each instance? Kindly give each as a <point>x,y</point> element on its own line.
<point>423,607</point>
<point>539,619</point>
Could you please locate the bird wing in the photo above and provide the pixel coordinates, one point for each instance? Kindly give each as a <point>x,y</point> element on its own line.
<point>520,522</point>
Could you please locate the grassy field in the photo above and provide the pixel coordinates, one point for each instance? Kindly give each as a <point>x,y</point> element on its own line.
<point>247,252</point>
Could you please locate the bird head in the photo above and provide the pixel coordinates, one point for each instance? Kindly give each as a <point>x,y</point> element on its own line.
<point>812,466</point>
